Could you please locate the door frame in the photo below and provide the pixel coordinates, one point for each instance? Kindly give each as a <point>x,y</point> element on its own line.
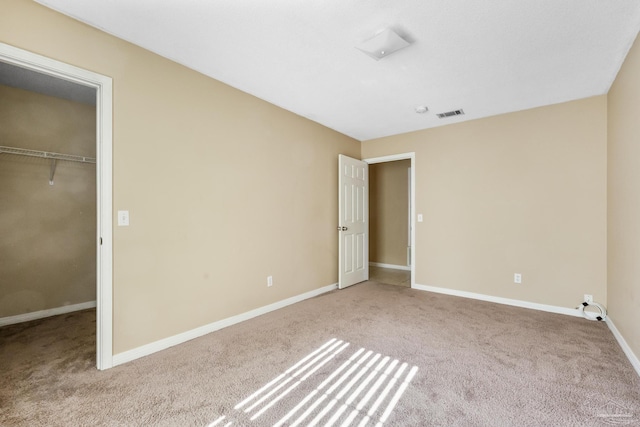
<point>104,189</point>
<point>392,158</point>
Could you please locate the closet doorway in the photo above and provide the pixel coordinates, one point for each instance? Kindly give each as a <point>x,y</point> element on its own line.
<point>55,154</point>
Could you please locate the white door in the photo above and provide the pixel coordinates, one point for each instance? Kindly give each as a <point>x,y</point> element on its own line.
<point>353,225</point>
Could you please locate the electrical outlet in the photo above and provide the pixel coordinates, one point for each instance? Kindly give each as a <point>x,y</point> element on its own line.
<point>269,281</point>
<point>517,278</point>
<point>588,298</point>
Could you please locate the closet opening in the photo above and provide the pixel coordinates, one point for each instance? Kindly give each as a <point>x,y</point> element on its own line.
<point>55,203</point>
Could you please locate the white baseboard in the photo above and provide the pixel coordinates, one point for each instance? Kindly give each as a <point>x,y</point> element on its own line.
<point>395,267</point>
<point>500,300</point>
<point>635,362</point>
<point>35,315</point>
<point>147,349</point>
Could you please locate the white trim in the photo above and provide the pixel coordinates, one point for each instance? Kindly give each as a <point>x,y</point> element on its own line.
<point>35,315</point>
<point>499,300</point>
<point>104,190</point>
<point>405,156</point>
<point>395,267</point>
<point>390,158</point>
<point>147,349</point>
<point>635,362</point>
<point>104,273</point>
<point>409,242</point>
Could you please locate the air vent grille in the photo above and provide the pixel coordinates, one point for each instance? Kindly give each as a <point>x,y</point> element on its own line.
<point>451,113</point>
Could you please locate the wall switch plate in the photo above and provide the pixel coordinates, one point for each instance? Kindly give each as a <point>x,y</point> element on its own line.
<point>517,278</point>
<point>269,281</point>
<point>588,298</point>
<point>123,218</point>
<point>419,217</point>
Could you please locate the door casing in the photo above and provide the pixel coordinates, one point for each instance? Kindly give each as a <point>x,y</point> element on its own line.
<point>392,158</point>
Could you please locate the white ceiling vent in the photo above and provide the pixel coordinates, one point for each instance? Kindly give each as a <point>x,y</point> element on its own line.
<point>459,112</point>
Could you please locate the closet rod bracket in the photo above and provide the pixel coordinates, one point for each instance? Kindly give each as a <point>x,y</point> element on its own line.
<point>52,171</point>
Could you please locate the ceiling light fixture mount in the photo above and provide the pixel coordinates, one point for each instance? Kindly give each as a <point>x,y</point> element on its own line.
<point>383,44</point>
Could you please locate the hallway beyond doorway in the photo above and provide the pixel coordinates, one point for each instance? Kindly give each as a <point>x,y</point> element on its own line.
<point>390,276</point>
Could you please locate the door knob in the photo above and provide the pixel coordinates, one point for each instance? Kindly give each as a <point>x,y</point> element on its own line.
<point>343,228</point>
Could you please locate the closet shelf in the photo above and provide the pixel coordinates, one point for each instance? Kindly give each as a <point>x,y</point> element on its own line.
<point>46,155</point>
<point>54,157</point>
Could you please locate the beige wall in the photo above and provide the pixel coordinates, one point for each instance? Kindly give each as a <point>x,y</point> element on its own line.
<point>389,212</point>
<point>47,248</point>
<point>624,200</point>
<point>517,193</point>
<point>223,189</point>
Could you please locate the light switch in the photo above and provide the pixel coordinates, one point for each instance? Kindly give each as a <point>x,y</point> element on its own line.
<point>419,217</point>
<point>123,218</point>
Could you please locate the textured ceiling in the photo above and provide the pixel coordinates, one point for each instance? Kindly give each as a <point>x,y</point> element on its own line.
<point>486,57</point>
<point>22,78</point>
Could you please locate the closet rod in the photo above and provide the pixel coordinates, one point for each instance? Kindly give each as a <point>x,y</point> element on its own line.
<point>46,155</point>
<point>53,157</point>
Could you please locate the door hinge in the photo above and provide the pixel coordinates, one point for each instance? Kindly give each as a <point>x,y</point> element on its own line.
<point>101,241</point>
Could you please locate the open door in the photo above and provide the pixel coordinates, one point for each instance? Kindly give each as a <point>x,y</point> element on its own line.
<point>353,225</point>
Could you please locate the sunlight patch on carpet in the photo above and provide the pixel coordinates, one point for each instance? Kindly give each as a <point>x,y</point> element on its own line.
<point>363,390</point>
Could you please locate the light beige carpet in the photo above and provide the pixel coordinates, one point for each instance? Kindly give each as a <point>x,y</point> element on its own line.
<point>474,364</point>
<point>390,276</point>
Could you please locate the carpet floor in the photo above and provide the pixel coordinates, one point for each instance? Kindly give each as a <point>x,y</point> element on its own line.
<point>371,355</point>
<point>390,276</point>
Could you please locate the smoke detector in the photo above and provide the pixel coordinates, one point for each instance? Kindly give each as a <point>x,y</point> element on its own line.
<point>421,109</point>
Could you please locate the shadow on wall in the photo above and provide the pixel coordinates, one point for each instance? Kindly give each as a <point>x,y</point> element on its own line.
<point>47,250</point>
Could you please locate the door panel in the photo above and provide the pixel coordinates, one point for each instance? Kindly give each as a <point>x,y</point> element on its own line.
<point>353,223</point>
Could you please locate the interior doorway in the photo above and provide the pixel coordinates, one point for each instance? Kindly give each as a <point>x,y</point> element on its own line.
<point>51,72</point>
<point>391,219</point>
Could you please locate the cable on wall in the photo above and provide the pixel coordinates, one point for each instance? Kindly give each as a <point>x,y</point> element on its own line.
<point>590,315</point>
